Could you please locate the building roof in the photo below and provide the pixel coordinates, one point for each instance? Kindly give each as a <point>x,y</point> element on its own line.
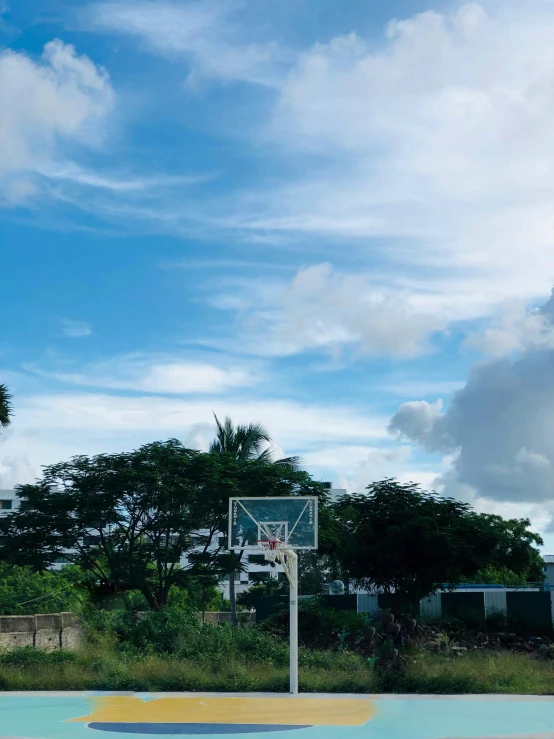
<point>548,559</point>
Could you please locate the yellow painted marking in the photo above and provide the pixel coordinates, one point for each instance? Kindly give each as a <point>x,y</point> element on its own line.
<point>279,711</point>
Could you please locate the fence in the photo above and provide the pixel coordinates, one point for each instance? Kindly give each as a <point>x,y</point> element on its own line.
<point>220,617</point>
<point>532,610</point>
<point>46,631</point>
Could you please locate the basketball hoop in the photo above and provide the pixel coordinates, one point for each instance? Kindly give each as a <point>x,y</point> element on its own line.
<point>271,549</point>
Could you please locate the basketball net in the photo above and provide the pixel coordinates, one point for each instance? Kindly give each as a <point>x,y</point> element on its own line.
<point>271,549</point>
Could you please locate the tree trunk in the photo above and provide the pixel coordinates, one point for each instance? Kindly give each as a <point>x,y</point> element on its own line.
<point>233,599</point>
<point>151,599</point>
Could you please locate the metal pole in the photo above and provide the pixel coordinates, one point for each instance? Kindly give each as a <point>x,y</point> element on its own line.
<point>293,605</point>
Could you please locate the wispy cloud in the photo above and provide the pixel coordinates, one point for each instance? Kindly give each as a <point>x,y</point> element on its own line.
<point>75,329</point>
<point>76,175</point>
<point>158,374</point>
<point>225,264</point>
<point>204,33</point>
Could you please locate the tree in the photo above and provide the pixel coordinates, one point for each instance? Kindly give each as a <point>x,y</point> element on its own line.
<point>513,559</point>
<point>127,519</point>
<point>5,407</point>
<point>245,444</point>
<point>250,598</point>
<point>23,591</point>
<point>398,537</point>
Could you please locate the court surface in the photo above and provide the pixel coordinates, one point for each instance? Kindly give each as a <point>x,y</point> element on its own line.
<point>261,716</point>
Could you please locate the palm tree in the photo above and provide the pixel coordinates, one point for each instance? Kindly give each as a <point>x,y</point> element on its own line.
<point>246,443</point>
<point>5,407</point>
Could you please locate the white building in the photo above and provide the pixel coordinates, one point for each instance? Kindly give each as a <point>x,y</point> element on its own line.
<point>549,570</point>
<point>8,501</point>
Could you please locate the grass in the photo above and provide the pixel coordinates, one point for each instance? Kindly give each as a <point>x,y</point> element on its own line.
<point>345,672</point>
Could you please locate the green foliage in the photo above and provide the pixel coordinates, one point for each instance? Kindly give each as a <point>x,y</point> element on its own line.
<point>319,671</point>
<point>320,627</point>
<point>398,537</point>
<point>31,657</point>
<point>250,598</point>
<point>5,407</point>
<point>502,576</point>
<point>128,519</point>
<point>23,591</point>
<point>174,631</point>
<point>246,443</point>
<point>315,569</point>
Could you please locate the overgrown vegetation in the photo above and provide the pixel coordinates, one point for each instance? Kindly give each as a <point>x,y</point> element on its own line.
<point>23,591</point>
<point>320,671</point>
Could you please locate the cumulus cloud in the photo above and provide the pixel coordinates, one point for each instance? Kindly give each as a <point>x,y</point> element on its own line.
<point>62,99</point>
<point>16,470</point>
<point>500,427</point>
<point>514,329</point>
<point>324,310</point>
<point>434,150</point>
<point>203,33</point>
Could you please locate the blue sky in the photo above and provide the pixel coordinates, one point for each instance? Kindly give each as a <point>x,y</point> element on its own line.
<point>333,218</point>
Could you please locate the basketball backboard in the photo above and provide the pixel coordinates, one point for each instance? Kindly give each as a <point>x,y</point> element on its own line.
<point>290,520</point>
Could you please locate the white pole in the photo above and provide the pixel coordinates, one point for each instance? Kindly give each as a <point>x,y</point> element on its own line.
<point>293,605</point>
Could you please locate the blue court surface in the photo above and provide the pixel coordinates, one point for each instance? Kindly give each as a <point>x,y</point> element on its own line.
<point>135,716</point>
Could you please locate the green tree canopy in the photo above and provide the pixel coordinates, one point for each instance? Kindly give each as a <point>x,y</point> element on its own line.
<point>398,537</point>
<point>129,519</point>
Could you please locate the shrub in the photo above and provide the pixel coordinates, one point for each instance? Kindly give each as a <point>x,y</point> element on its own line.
<point>321,627</point>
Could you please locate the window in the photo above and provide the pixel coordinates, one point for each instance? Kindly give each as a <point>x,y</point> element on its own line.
<point>257,559</point>
<point>6,505</point>
<point>90,541</point>
<point>259,576</point>
<point>62,561</point>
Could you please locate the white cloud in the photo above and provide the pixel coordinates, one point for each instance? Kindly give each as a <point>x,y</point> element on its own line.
<point>75,329</point>
<point>62,99</point>
<point>321,309</point>
<point>365,462</point>
<point>411,387</point>
<point>152,374</point>
<point>201,32</point>
<point>289,422</point>
<point>434,150</point>
<point>52,428</point>
<point>500,428</point>
<point>16,470</point>
<point>514,329</point>
<point>76,175</point>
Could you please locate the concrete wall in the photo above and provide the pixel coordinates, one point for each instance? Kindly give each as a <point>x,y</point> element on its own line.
<point>220,617</point>
<point>48,631</point>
